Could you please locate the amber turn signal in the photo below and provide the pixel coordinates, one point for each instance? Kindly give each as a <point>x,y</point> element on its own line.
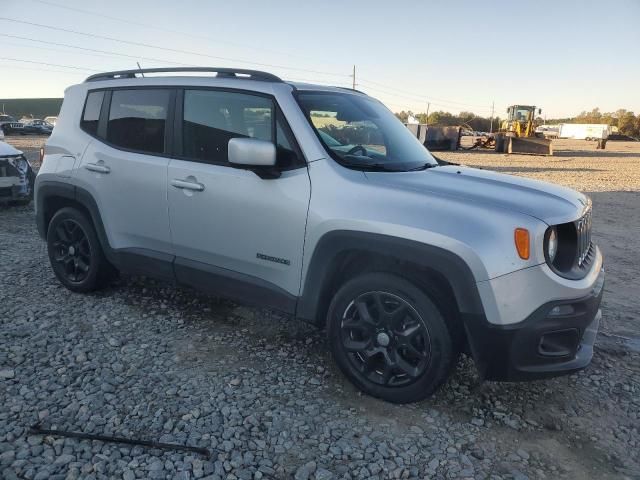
<point>521,237</point>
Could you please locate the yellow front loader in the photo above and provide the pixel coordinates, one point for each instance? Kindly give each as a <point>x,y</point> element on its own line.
<point>517,133</point>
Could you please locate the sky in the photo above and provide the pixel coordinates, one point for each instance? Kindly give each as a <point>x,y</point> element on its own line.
<point>562,56</point>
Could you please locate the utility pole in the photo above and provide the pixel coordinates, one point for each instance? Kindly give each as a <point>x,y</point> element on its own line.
<point>354,78</point>
<point>491,122</point>
<point>427,120</point>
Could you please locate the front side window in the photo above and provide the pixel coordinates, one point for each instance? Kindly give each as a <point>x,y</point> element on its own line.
<point>212,118</point>
<point>361,133</point>
<point>137,119</point>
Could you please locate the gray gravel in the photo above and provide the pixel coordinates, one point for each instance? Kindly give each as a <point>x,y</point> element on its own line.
<point>145,360</point>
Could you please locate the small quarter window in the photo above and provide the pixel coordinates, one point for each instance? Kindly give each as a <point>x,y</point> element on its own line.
<point>91,113</point>
<point>287,152</point>
<point>137,119</point>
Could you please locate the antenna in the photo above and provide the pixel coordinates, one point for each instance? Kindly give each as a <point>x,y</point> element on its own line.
<point>140,68</point>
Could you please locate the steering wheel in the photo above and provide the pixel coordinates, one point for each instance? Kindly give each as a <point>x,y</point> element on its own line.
<point>356,149</point>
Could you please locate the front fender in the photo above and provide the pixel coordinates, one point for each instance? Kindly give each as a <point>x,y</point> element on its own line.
<point>324,264</point>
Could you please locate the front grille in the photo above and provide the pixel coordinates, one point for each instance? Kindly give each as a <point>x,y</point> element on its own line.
<point>583,231</point>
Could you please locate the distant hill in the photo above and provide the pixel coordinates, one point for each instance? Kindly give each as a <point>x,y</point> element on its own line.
<point>31,107</point>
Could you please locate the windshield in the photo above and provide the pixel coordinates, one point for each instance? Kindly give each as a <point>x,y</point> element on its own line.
<point>521,114</point>
<point>360,132</point>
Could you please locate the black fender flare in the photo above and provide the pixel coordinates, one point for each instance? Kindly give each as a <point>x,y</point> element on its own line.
<point>48,189</point>
<point>323,266</point>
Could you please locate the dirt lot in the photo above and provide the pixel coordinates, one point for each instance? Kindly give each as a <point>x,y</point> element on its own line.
<point>146,360</point>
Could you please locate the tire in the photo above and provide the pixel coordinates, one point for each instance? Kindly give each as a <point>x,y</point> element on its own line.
<point>75,253</point>
<point>366,345</point>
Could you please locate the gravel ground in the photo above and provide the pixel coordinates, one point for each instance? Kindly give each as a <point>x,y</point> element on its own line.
<point>145,360</point>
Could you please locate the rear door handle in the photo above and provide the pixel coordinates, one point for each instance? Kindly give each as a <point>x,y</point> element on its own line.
<point>187,185</point>
<point>94,167</point>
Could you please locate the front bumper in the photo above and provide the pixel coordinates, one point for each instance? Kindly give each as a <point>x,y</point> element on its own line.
<point>13,193</point>
<point>549,342</point>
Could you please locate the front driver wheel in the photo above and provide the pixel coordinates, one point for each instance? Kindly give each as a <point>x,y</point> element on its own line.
<point>389,338</point>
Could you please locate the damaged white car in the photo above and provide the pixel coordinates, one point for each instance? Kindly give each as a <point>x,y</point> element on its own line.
<point>16,176</point>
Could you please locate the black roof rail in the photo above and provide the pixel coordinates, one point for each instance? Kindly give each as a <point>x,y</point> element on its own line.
<point>220,72</point>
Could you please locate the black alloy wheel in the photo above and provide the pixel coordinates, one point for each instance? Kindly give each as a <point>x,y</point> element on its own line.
<point>75,253</point>
<point>72,250</point>
<point>391,337</point>
<point>386,339</point>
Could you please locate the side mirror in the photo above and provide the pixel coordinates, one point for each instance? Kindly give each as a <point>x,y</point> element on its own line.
<point>256,155</point>
<point>252,152</point>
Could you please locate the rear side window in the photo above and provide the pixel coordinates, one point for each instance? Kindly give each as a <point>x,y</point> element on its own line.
<point>91,113</point>
<point>212,118</point>
<point>137,119</point>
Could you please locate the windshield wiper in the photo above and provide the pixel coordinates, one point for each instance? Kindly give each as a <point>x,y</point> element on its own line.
<point>423,167</point>
<point>372,167</point>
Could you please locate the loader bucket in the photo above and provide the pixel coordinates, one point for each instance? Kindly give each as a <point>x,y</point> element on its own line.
<point>530,145</point>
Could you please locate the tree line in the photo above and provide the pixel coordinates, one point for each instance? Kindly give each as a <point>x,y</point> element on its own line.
<point>446,119</point>
<point>627,122</point>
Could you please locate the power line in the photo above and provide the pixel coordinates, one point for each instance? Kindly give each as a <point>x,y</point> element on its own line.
<point>416,98</point>
<point>164,29</point>
<point>50,64</point>
<point>409,97</point>
<point>432,98</point>
<point>43,48</point>
<point>175,50</point>
<point>94,50</point>
<point>86,69</point>
<point>40,69</point>
<point>405,94</point>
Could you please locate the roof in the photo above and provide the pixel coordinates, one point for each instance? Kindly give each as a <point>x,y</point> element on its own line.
<point>224,76</point>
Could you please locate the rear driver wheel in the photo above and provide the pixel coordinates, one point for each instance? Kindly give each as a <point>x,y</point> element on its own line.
<point>75,253</point>
<point>389,338</point>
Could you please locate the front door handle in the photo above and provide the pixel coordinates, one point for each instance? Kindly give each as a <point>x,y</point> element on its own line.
<point>94,167</point>
<point>187,185</point>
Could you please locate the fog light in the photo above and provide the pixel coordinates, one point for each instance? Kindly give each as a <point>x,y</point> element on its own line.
<point>559,310</point>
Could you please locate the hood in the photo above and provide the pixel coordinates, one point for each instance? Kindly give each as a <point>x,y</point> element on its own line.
<point>550,203</point>
<point>7,150</point>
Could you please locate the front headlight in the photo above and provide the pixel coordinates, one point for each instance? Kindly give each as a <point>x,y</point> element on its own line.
<point>551,244</point>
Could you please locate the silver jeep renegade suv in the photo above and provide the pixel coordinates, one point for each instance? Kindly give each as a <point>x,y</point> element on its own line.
<point>317,201</point>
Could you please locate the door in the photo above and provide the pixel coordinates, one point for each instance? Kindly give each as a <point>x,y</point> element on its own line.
<point>233,232</point>
<point>125,170</point>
